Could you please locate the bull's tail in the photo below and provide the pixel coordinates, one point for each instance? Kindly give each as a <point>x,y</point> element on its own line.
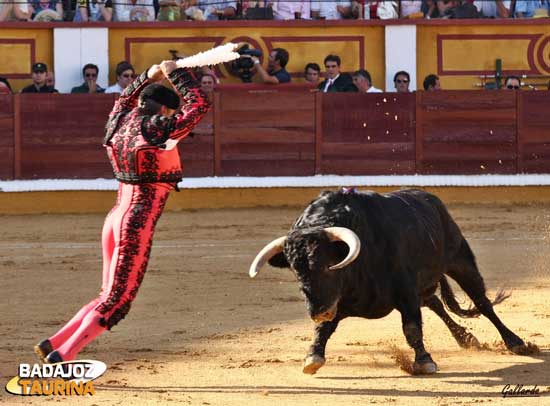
<point>449,299</point>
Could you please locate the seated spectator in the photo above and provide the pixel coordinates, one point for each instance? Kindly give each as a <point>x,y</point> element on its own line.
<point>39,85</point>
<point>402,80</point>
<point>50,79</point>
<point>512,83</point>
<point>124,75</point>
<point>290,9</point>
<point>528,8</point>
<point>363,82</point>
<point>170,10</point>
<point>312,73</point>
<point>14,11</point>
<point>134,10</point>
<point>208,82</point>
<point>493,9</point>
<point>47,10</point>
<point>411,9</point>
<point>92,10</point>
<point>276,72</point>
<point>335,80</point>
<point>5,87</point>
<point>89,72</point>
<point>330,10</point>
<point>212,10</point>
<point>431,82</point>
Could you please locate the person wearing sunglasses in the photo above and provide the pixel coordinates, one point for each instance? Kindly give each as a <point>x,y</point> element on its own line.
<point>512,83</point>
<point>90,73</point>
<point>125,74</point>
<point>401,80</point>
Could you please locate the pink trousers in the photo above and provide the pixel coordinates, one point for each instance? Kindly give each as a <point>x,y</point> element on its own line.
<point>126,241</point>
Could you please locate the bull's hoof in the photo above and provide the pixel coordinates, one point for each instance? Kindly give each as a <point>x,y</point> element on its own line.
<point>525,349</point>
<point>469,341</point>
<point>312,363</point>
<point>424,368</point>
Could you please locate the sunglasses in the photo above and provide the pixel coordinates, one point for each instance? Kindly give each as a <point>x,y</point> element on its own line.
<point>91,75</point>
<point>512,87</point>
<point>127,75</point>
<point>402,81</point>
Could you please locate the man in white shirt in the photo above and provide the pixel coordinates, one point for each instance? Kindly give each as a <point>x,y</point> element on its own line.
<point>363,82</point>
<point>290,9</point>
<point>330,10</point>
<point>495,9</point>
<point>125,74</point>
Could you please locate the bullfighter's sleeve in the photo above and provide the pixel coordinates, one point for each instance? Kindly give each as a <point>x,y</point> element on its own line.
<point>157,129</point>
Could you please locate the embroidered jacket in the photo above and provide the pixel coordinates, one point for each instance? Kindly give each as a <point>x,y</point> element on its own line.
<point>143,148</point>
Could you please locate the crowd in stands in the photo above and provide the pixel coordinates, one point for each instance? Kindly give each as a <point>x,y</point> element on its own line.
<point>334,79</point>
<point>177,10</point>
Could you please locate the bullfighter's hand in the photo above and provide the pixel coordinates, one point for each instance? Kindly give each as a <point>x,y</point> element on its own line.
<point>155,73</point>
<point>167,67</point>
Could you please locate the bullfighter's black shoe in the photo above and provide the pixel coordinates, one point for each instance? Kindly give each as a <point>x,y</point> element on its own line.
<point>43,348</point>
<point>53,358</point>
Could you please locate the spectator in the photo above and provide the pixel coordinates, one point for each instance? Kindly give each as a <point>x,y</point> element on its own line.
<point>39,72</point>
<point>526,8</point>
<point>276,73</point>
<point>312,73</point>
<point>363,82</point>
<point>512,83</point>
<point>411,9</point>
<point>431,82</point>
<point>493,9</point>
<point>47,10</point>
<point>212,10</point>
<point>330,10</point>
<point>336,81</point>
<point>91,10</point>
<point>132,10</point>
<point>89,72</point>
<point>5,87</point>
<point>170,10</point>
<point>290,9</point>
<point>50,79</point>
<point>208,82</point>
<point>402,80</point>
<point>14,11</point>
<point>124,76</point>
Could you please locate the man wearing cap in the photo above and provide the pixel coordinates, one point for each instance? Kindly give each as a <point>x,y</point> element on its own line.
<point>39,85</point>
<point>142,133</point>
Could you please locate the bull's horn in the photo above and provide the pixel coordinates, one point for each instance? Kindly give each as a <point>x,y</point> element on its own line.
<point>267,252</point>
<point>350,238</point>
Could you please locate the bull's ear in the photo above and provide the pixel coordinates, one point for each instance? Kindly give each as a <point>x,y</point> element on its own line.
<point>279,261</point>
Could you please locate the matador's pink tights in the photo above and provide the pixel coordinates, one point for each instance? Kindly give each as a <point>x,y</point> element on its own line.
<point>126,242</point>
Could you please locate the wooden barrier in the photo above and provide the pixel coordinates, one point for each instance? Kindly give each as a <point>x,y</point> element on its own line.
<point>289,130</point>
<point>7,139</point>
<point>466,132</point>
<point>367,134</point>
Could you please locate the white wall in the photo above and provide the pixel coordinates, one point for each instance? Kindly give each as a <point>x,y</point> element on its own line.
<point>74,48</point>
<point>400,53</point>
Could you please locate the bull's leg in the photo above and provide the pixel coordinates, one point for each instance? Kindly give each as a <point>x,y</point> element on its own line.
<point>465,272</point>
<point>315,358</point>
<point>461,335</point>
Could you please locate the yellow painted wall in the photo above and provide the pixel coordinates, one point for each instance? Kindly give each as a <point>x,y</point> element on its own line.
<point>524,49</point>
<point>16,56</point>
<point>305,44</point>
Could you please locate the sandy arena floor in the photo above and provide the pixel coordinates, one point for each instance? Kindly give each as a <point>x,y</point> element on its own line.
<point>202,333</point>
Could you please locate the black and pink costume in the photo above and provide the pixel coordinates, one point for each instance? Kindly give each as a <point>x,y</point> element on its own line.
<point>145,159</point>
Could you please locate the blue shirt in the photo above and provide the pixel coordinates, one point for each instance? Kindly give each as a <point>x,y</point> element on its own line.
<point>282,76</point>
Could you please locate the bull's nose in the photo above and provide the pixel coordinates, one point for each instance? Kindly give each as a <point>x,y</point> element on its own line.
<point>325,316</point>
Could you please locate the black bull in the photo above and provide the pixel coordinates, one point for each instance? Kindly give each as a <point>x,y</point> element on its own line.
<point>404,244</point>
